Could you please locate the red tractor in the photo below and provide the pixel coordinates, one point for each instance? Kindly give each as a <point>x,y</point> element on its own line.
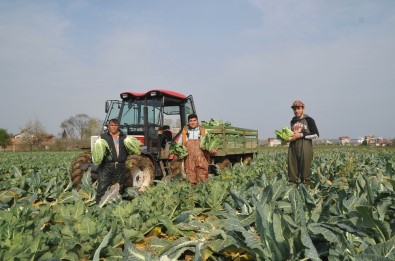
<point>155,118</point>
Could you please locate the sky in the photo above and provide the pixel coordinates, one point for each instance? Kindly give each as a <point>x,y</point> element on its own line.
<point>243,61</point>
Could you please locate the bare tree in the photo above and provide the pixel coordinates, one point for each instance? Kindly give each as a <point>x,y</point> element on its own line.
<point>33,134</point>
<point>68,128</point>
<point>94,127</point>
<point>75,125</point>
<point>81,126</point>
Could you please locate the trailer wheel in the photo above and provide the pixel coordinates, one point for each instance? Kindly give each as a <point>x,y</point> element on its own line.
<point>141,172</point>
<point>79,166</point>
<point>247,160</point>
<point>224,164</point>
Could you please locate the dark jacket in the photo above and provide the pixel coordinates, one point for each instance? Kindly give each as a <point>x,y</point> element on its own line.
<point>306,125</point>
<point>122,150</point>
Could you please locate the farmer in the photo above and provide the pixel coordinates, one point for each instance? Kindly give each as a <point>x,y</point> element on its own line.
<point>300,151</point>
<point>112,171</point>
<point>196,163</point>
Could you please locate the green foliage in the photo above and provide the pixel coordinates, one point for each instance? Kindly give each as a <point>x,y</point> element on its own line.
<point>100,150</point>
<point>111,195</point>
<point>102,245</point>
<point>382,251</point>
<point>245,213</point>
<point>210,142</point>
<point>132,145</point>
<point>5,138</point>
<point>212,123</point>
<point>285,134</point>
<point>178,149</point>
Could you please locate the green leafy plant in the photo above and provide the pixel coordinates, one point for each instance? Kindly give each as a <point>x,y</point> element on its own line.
<point>210,142</point>
<point>178,149</point>
<point>285,134</point>
<point>244,213</point>
<point>212,123</point>
<point>132,145</point>
<point>100,150</point>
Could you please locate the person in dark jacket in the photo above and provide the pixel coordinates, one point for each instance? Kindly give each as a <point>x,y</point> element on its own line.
<point>112,171</point>
<point>300,151</point>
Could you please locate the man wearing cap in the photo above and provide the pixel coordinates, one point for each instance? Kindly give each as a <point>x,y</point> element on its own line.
<point>300,151</point>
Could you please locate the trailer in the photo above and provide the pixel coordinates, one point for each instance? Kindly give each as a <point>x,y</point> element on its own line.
<point>238,145</point>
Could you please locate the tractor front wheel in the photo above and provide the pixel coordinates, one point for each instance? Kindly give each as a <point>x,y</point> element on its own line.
<point>76,170</point>
<point>141,172</point>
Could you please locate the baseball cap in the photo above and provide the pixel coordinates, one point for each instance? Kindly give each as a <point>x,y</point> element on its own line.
<point>297,103</point>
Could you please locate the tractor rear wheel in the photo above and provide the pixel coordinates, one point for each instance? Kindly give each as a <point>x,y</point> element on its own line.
<point>79,166</point>
<point>141,172</point>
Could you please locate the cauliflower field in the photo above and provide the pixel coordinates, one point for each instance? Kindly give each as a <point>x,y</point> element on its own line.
<point>244,213</point>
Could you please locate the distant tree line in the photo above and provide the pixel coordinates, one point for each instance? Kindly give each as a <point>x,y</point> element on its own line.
<point>76,133</point>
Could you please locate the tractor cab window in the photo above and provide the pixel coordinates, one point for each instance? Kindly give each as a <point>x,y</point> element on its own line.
<point>171,110</point>
<point>171,118</point>
<point>112,108</point>
<point>189,106</point>
<point>186,109</point>
<point>132,116</point>
<point>154,111</point>
<point>134,112</point>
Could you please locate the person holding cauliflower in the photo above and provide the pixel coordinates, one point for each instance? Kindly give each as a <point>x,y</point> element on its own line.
<point>196,162</point>
<point>300,150</point>
<point>112,168</point>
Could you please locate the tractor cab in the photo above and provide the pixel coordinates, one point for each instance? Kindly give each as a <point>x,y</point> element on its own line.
<point>154,117</point>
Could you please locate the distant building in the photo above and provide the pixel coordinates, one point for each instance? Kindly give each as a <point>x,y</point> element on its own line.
<point>383,142</point>
<point>18,144</point>
<point>370,140</point>
<point>344,140</point>
<point>328,142</point>
<point>273,142</point>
